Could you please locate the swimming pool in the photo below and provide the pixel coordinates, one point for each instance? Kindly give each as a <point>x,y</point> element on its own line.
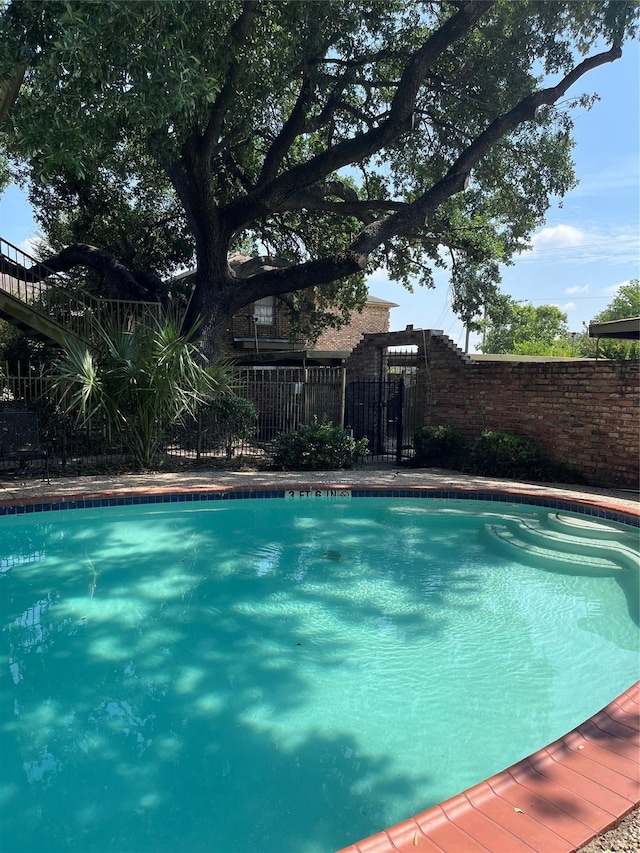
<point>170,676</point>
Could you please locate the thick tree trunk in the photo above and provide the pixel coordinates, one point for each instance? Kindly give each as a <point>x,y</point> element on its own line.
<point>211,307</point>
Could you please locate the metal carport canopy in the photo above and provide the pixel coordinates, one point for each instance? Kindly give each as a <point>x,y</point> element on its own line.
<point>627,329</point>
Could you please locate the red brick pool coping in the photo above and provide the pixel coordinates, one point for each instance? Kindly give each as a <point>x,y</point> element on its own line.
<point>554,801</point>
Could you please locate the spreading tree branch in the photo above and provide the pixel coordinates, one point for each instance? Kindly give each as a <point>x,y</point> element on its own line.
<point>293,126</point>
<point>360,209</point>
<point>239,35</point>
<point>411,218</point>
<point>123,281</point>
<point>363,145</point>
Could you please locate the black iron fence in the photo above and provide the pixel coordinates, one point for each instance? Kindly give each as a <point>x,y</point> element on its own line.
<point>286,397</point>
<point>386,412</point>
<point>282,399</point>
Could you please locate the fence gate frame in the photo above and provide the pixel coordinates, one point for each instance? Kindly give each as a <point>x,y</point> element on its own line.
<point>388,403</point>
<point>383,411</point>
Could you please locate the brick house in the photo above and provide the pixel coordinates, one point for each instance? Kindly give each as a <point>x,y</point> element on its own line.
<point>260,333</point>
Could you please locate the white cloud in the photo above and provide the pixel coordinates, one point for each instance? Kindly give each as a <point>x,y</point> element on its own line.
<point>558,237</point>
<point>571,291</point>
<point>614,288</point>
<point>569,306</point>
<point>30,246</point>
<point>591,243</point>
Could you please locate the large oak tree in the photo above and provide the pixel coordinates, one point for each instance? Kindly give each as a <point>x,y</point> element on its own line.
<point>337,135</point>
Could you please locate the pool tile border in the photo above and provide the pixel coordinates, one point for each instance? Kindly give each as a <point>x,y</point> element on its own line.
<point>12,507</point>
<point>595,508</point>
<point>554,801</point>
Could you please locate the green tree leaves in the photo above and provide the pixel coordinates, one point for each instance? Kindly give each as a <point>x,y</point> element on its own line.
<point>336,134</point>
<point>624,305</point>
<point>524,329</point>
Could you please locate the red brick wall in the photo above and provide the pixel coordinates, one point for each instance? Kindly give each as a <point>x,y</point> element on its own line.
<point>242,327</point>
<point>581,413</point>
<point>374,318</point>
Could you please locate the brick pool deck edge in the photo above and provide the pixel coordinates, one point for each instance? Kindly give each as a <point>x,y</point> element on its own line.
<point>554,801</point>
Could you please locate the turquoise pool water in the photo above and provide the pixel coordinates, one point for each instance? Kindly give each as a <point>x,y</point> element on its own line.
<point>291,676</point>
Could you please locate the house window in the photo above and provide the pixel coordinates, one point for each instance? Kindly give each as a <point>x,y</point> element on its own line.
<point>264,310</point>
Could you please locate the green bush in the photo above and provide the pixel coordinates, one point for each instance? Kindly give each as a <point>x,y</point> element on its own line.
<point>319,446</point>
<point>232,419</point>
<point>439,447</point>
<point>222,422</point>
<point>500,454</point>
<point>495,454</point>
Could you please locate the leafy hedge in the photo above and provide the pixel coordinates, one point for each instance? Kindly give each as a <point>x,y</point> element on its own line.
<point>439,447</point>
<point>319,446</point>
<point>228,420</point>
<point>495,454</point>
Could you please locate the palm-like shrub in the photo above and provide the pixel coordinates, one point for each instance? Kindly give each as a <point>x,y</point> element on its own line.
<point>143,377</point>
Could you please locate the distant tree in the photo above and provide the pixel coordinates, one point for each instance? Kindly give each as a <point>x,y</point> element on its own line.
<point>474,290</point>
<point>625,304</point>
<point>523,329</point>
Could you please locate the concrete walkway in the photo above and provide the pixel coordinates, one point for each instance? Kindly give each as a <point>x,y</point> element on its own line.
<point>379,475</point>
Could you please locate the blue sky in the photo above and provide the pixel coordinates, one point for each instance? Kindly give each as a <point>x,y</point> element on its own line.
<point>587,247</point>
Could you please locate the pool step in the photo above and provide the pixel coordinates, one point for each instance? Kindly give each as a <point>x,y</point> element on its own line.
<point>546,554</point>
<point>593,528</point>
<point>581,543</point>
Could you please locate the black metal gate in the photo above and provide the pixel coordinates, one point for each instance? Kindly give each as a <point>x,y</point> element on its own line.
<point>382,410</point>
